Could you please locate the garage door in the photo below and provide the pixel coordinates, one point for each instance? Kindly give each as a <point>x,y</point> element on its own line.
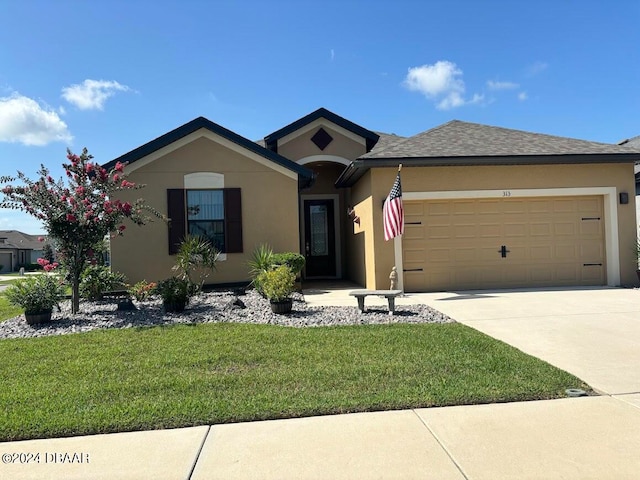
<point>5,262</point>
<point>503,243</point>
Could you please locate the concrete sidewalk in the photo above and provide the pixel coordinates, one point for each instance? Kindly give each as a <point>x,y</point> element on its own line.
<point>579,438</point>
<point>593,333</point>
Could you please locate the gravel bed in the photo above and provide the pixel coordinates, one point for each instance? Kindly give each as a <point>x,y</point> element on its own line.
<point>213,307</point>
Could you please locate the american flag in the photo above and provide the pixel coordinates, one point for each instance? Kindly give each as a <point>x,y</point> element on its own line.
<point>392,212</point>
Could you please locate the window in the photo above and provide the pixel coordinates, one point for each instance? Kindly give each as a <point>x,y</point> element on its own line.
<point>205,216</point>
<point>215,214</point>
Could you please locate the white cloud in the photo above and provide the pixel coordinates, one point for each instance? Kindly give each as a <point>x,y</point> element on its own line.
<point>522,96</point>
<point>91,94</point>
<point>536,68</point>
<point>24,120</point>
<point>333,54</point>
<point>501,85</point>
<point>441,82</point>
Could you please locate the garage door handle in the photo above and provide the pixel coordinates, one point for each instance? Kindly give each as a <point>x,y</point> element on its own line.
<point>590,218</point>
<point>412,269</point>
<point>503,251</point>
<point>591,264</point>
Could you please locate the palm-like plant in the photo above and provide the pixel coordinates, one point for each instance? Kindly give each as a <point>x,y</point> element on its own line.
<point>196,257</point>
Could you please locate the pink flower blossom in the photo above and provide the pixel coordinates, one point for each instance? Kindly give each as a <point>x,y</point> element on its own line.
<point>80,190</point>
<point>88,167</point>
<point>126,208</point>
<point>122,228</point>
<point>41,239</point>
<point>116,177</point>
<point>127,184</point>
<point>71,217</point>
<point>42,262</point>
<point>119,167</point>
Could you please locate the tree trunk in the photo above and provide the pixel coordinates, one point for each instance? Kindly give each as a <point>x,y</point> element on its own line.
<point>75,296</point>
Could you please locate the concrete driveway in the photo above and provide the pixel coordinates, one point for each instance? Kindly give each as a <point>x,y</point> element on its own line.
<point>593,333</point>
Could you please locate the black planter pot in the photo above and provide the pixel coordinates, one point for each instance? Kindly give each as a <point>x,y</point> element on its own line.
<point>37,318</point>
<point>174,305</point>
<point>282,306</point>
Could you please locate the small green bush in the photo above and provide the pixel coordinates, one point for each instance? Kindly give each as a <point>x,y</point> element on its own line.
<point>174,290</point>
<point>97,279</point>
<point>294,261</point>
<point>277,284</point>
<point>36,294</point>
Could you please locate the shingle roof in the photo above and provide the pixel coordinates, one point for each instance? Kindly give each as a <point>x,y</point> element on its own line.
<point>16,239</point>
<point>633,142</point>
<point>464,139</point>
<point>202,122</point>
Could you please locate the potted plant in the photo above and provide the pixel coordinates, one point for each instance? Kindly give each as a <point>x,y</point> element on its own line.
<point>37,294</point>
<point>175,293</point>
<point>278,285</point>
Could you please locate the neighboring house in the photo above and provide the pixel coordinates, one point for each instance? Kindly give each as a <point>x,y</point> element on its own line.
<point>17,249</point>
<point>485,207</point>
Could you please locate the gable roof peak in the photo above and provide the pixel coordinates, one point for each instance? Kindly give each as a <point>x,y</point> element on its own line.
<point>271,140</point>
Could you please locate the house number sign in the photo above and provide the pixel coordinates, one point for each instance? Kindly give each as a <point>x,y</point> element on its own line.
<point>506,193</point>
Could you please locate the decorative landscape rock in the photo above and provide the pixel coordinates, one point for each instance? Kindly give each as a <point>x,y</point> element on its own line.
<point>213,307</point>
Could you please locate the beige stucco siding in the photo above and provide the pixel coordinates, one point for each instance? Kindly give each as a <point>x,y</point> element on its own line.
<point>495,178</point>
<point>301,146</point>
<point>269,210</point>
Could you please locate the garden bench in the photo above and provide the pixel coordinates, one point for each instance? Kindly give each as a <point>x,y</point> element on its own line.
<point>389,294</point>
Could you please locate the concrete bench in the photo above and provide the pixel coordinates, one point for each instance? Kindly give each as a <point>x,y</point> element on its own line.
<point>389,294</point>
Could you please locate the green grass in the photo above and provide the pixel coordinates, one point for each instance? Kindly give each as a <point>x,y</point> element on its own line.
<point>7,310</point>
<point>163,377</point>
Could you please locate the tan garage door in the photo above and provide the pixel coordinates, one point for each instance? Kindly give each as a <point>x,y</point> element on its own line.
<point>503,243</point>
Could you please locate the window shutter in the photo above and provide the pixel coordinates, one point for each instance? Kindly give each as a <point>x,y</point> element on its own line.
<point>176,212</point>
<point>232,220</point>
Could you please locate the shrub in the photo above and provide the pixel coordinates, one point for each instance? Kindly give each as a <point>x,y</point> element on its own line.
<point>173,290</point>
<point>277,284</point>
<point>261,261</point>
<point>142,290</point>
<point>36,294</point>
<point>294,261</point>
<point>195,253</point>
<point>97,279</point>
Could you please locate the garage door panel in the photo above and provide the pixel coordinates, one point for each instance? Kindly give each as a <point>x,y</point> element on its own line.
<point>515,230</point>
<point>414,232</point>
<point>547,243</point>
<point>493,230</point>
<point>465,231</point>
<point>593,274</point>
<point>564,228</point>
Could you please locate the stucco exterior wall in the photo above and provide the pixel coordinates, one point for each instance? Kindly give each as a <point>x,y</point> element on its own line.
<point>360,245</point>
<point>371,190</point>
<point>269,211</point>
<point>302,146</point>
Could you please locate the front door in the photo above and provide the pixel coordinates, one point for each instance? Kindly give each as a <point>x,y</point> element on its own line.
<point>319,238</point>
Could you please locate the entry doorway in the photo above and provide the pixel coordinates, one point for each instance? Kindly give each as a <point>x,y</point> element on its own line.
<point>320,239</point>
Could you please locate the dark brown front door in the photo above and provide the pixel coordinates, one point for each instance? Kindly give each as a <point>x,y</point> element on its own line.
<point>319,238</point>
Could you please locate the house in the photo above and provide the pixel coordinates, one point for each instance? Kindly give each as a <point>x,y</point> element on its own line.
<point>18,249</point>
<point>485,207</point>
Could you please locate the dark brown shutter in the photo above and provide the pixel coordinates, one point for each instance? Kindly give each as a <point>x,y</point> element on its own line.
<point>232,220</point>
<point>177,218</point>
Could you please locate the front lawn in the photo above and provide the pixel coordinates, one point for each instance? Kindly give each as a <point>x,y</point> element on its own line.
<point>177,376</point>
<point>7,310</point>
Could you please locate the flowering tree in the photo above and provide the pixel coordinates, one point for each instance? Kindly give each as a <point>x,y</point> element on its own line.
<point>78,214</point>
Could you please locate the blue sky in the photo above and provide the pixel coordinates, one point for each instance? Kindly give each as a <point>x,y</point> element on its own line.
<point>112,75</point>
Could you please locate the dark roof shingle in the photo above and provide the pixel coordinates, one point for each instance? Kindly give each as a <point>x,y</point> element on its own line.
<point>464,139</point>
